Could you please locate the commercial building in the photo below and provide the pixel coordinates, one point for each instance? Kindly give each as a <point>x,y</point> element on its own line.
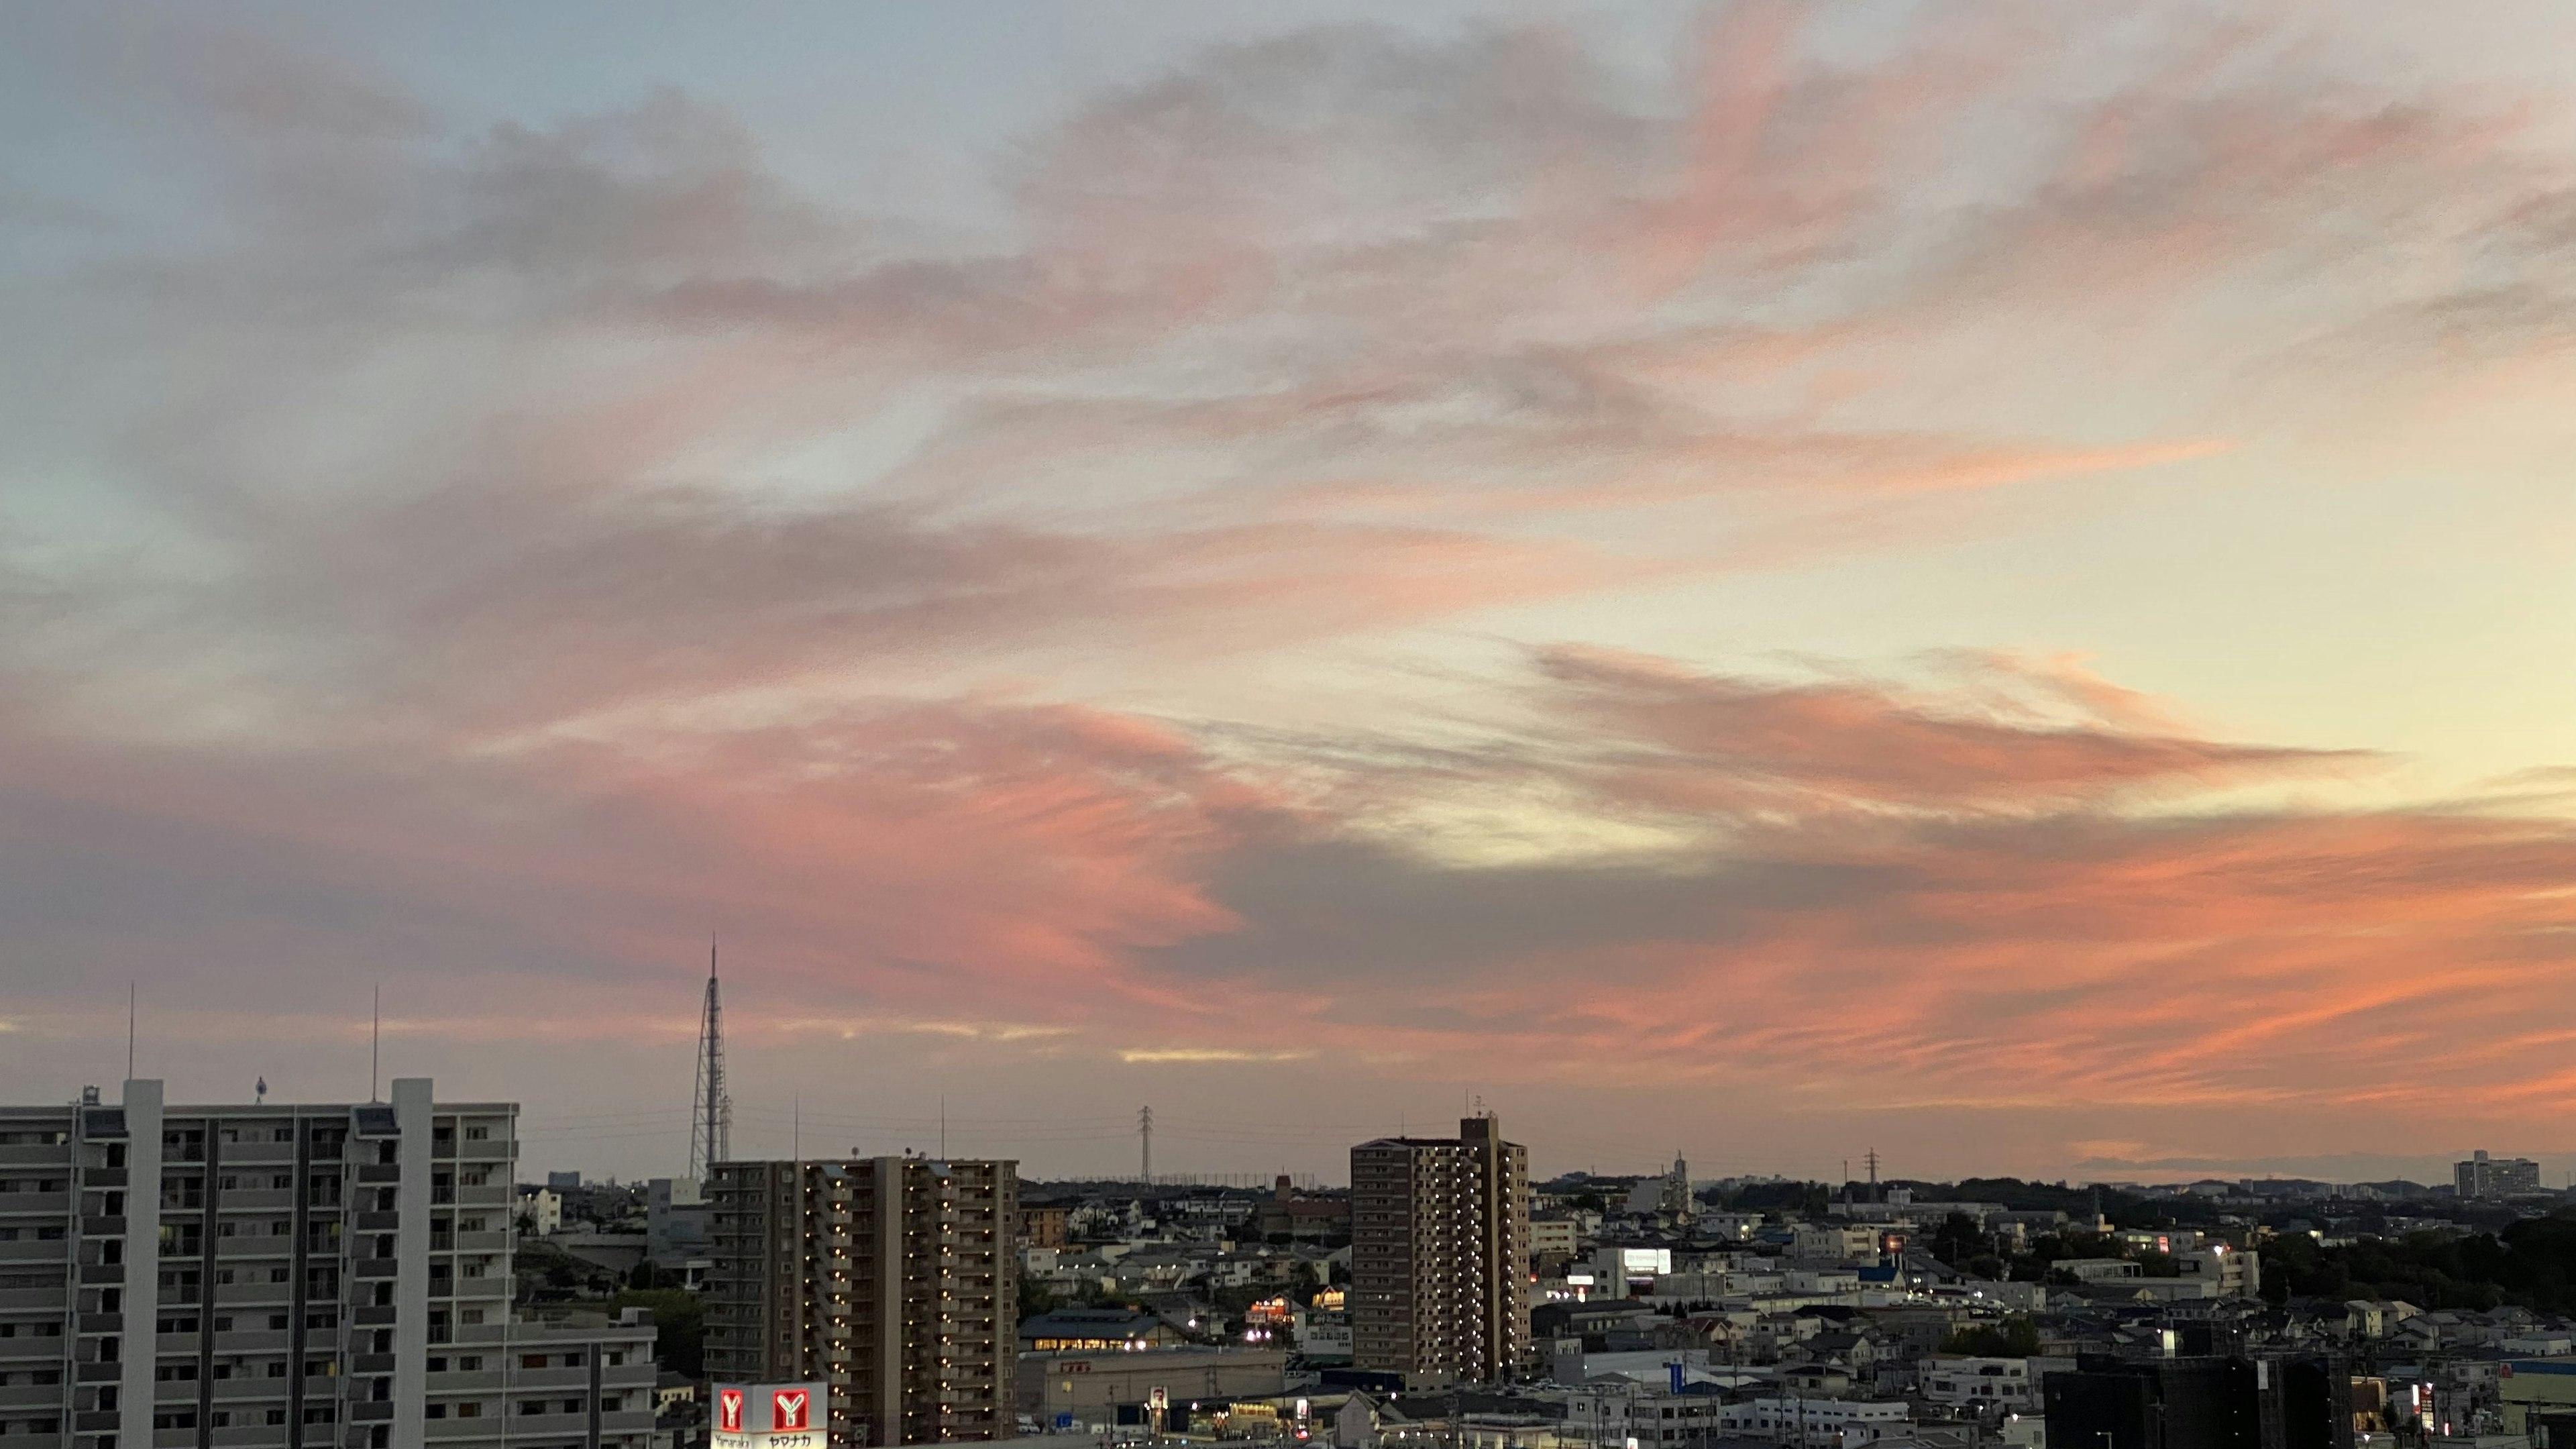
<point>1098,1390</point>
<point>1096,1330</point>
<point>2494,1177</point>
<point>2233,1402</point>
<point>891,1280</point>
<point>2538,1397</point>
<point>282,1276</point>
<point>1439,1255</point>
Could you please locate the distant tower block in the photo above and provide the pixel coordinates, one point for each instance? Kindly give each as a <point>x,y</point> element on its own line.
<point>711,1119</point>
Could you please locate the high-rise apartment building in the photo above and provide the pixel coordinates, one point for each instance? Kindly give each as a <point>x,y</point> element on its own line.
<point>1440,1256</point>
<point>2493,1177</point>
<point>285,1277</point>
<point>892,1280</point>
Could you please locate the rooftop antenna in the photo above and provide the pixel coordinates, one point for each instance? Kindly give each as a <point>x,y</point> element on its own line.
<point>711,1119</point>
<point>129,1031</point>
<point>260,1092</point>
<point>375,1045</point>
<point>943,1126</point>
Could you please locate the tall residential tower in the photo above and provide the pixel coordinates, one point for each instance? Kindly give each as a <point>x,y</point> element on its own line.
<point>893,1280</point>
<point>1440,1256</point>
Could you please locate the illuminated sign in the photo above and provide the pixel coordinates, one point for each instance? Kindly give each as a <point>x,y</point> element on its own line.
<point>771,1416</point>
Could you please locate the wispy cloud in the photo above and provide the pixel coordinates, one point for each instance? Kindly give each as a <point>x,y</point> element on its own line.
<point>493,552</point>
<point>1159,1055</point>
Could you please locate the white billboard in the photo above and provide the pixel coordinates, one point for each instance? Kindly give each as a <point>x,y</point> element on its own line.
<point>770,1416</point>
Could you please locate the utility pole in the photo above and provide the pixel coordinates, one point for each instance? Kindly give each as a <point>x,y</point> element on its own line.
<point>1145,1140</point>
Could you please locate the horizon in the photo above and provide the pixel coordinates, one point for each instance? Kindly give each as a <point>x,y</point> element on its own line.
<point>1780,581</point>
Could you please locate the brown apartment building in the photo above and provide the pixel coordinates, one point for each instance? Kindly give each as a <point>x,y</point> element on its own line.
<point>890,1279</point>
<point>1439,1255</point>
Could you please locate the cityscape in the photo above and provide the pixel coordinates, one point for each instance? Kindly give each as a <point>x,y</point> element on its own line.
<point>378,1274</point>
<point>1288,724</point>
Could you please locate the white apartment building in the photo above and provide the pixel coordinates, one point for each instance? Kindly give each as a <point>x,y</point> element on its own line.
<point>1633,1417</point>
<point>1962,1381</point>
<point>281,1276</point>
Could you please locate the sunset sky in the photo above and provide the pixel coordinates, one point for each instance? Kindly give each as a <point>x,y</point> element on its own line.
<point>1995,582</point>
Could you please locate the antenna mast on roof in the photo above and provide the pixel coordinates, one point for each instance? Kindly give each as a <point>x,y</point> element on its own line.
<point>711,1118</point>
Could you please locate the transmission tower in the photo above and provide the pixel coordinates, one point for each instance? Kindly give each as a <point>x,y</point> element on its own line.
<point>711,1118</point>
<point>1145,1138</point>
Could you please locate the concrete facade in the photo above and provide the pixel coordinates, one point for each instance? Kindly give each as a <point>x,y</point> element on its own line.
<point>1440,1255</point>
<point>283,1276</point>
<point>893,1280</point>
<point>1092,1387</point>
